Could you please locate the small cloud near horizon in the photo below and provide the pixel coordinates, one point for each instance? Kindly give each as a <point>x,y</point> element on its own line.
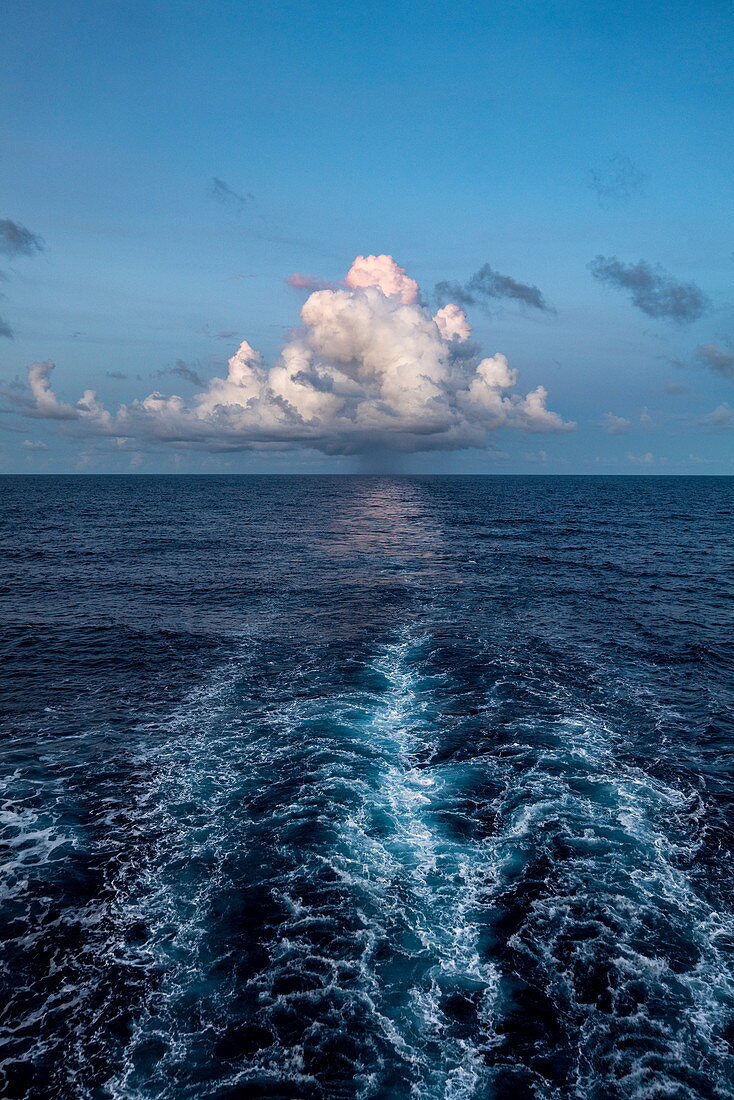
<point>645,459</point>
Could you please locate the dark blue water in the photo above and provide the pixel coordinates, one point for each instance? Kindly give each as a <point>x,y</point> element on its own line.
<point>367,787</point>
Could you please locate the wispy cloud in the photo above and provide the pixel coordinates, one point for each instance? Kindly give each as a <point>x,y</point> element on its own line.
<point>699,461</point>
<point>645,459</point>
<point>227,195</point>
<point>651,289</point>
<point>616,180</point>
<point>486,287</point>
<point>16,240</point>
<point>222,334</point>
<point>717,359</point>
<point>308,282</point>
<point>183,370</point>
<point>721,417</point>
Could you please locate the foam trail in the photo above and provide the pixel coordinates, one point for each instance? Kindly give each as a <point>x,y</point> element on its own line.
<point>607,944</point>
<point>317,894</point>
<point>447,882</point>
<point>400,957</point>
<point>377,925</point>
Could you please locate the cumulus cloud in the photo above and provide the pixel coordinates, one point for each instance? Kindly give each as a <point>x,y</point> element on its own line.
<point>616,180</point>
<point>452,323</point>
<point>16,240</point>
<point>651,289</point>
<point>45,405</point>
<point>368,369</point>
<point>721,417</point>
<point>615,425</point>
<point>487,286</point>
<point>382,272</point>
<point>366,271</point>
<point>716,359</point>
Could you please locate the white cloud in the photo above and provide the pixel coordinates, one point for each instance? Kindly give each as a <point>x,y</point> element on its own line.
<point>646,459</point>
<point>384,273</point>
<point>721,417</point>
<point>452,323</point>
<point>369,368</point>
<point>615,425</point>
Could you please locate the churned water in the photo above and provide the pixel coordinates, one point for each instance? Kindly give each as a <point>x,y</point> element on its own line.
<point>367,787</point>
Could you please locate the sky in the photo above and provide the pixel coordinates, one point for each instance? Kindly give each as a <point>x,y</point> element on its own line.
<point>325,237</point>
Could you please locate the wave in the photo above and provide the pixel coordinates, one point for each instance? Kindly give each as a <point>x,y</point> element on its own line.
<point>315,892</point>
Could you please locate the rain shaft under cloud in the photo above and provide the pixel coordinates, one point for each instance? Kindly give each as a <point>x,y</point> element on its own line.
<point>368,368</point>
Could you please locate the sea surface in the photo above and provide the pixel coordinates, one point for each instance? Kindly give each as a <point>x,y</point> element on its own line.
<point>367,787</point>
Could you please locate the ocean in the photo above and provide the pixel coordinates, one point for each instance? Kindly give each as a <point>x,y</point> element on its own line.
<point>386,787</point>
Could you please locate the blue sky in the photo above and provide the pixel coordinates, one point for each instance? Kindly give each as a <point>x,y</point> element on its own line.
<point>532,137</point>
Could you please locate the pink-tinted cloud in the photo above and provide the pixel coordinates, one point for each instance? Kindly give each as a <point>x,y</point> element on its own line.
<point>452,323</point>
<point>308,282</point>
<point>383,272</point>
<point>369,367</point>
